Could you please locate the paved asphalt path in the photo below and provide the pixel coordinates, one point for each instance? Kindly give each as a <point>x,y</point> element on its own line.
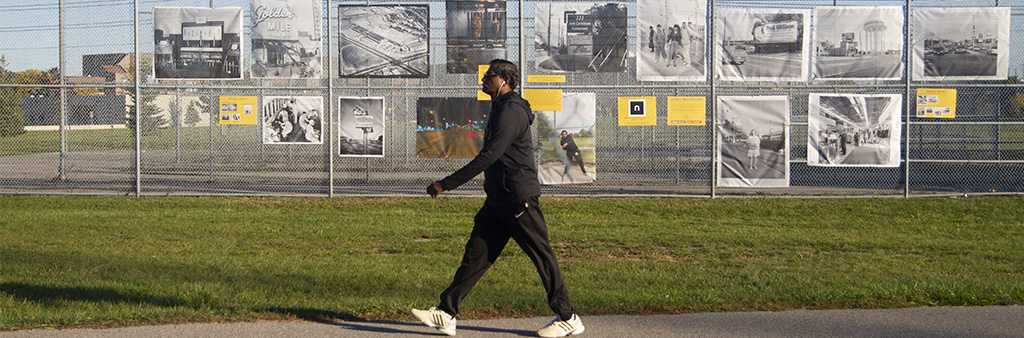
<point>930,322</point>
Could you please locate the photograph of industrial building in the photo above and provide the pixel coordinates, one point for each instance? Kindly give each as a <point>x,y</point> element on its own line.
<point>753,148</point>
<point>671,39</point>
<point>286,38</point>
<point>857,43</point>
<point>476,34</point>
<point>961,43</point>
<point>762,44</point>
<point>361,126</point>
<point>197,43</point>
<point>854,130</point>
<point>580,37</point>
<point>384,41</point>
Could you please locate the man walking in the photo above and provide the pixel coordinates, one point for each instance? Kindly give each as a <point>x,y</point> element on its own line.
<point>511,209</point>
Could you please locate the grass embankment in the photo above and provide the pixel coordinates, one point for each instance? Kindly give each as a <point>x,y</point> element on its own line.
<point>102,261</point>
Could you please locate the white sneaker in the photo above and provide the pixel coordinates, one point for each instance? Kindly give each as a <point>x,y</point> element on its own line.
<point>562,328</point>
<point>438,319</point>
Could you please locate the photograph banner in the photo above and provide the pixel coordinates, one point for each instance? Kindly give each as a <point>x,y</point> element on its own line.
<point>197,43</point>
<point>361,126</point>
<point>580,37</point>
<point>384,41</point>
<point>753,148</point>
<point>238,110</point>
<point>476,34</point>
<point>762,44</point>
<point>961,43</point>
<point>565,140</point>
<point>286,38</point>
<point>450,127</point>
<point>854,130</point>
<point>858,43</point>
<point>292,119</point>
<point>671,40</point>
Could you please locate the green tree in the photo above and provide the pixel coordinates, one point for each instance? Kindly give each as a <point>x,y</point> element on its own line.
<point>11,121</point>
<point>192,116</point>
<point>151,121</point>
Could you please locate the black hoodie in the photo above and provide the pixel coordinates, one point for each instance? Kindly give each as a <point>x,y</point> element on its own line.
<point>506,159</point>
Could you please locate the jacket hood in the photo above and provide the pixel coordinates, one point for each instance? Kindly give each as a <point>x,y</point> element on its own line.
<point>514,98</point>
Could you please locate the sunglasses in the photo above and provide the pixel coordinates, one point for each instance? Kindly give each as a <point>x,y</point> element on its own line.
<point>489,74</point>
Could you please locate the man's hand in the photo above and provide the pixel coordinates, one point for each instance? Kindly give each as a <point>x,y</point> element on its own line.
<point>434,189</point>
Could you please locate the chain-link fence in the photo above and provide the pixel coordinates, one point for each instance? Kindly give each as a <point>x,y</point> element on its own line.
<point>83,134</point>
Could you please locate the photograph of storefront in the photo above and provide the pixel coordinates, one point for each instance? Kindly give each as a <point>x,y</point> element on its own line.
<point>581,37</point>
<point>286,38</point>
<point>197,43</point>
<point>384,41</point>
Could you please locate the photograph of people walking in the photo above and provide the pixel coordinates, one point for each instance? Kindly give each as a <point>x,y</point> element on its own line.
<point>753,148</point>
<point>511,209</point>
<point>854,130</point>
<point>672,37</point>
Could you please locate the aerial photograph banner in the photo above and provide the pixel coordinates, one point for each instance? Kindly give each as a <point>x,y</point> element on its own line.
<point>384,40</point>
<point>361,126</point>
<point>961,43</point>
<point>858,43</point>
<point>292,119</point>
<point>565,140</point>
<point>854,130</point>
<point>580,37</point>
<point>450,127</point>
<point>197,43</point>
<point>671,39</point>
<point>753,134</point>
<point>476,34</point>
<point>762,44</point>
<point>286,38</point>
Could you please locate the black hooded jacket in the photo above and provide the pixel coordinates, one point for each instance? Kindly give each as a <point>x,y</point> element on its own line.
<point>506,159</point>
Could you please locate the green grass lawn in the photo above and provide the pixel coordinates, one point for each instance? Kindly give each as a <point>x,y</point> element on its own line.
<point>111,261</point>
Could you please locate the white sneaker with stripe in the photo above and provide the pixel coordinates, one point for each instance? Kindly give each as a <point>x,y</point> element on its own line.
<point>562,328</point>
<point>437,319</point>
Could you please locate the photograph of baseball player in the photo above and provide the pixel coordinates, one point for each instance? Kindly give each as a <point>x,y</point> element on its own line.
<point>565,141</point>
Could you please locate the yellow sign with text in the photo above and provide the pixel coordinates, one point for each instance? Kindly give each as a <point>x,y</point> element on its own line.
<point>238,110</point>
<point>686,110</point>
<point>544,99</point>
<point>936,103</point>
<point>546,78</point>
<point>637,111</point>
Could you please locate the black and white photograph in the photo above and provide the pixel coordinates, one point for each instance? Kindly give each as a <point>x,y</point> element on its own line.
<point>753,147</point>
<point>361,126</point>
<point>961,43</point>
<point>854,130</point>
<point>384,41</point>
<point>565,141</point>
<point>450,127</point>
<point>292,119</point>
<point>580,37</point>
<point>197,43</point>
<point>671,40</point>
<point>286,38</point>
<point>762,44</point>
<point>857,43</point>
<point>476,34</point>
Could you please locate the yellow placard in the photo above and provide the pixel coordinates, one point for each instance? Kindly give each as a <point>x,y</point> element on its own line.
<point>546,78</point>
<point>238,110</point>
<point>637,111</point>
<point>936,103</point>
<point>544,99</point>
<point>481,96</point>
<point>480,70</point>
<point>686,110</point>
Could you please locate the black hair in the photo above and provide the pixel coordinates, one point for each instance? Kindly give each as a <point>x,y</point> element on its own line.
<point>506,69</point>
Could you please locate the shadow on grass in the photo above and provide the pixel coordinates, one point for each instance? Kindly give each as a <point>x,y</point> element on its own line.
<point>53,296</point>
